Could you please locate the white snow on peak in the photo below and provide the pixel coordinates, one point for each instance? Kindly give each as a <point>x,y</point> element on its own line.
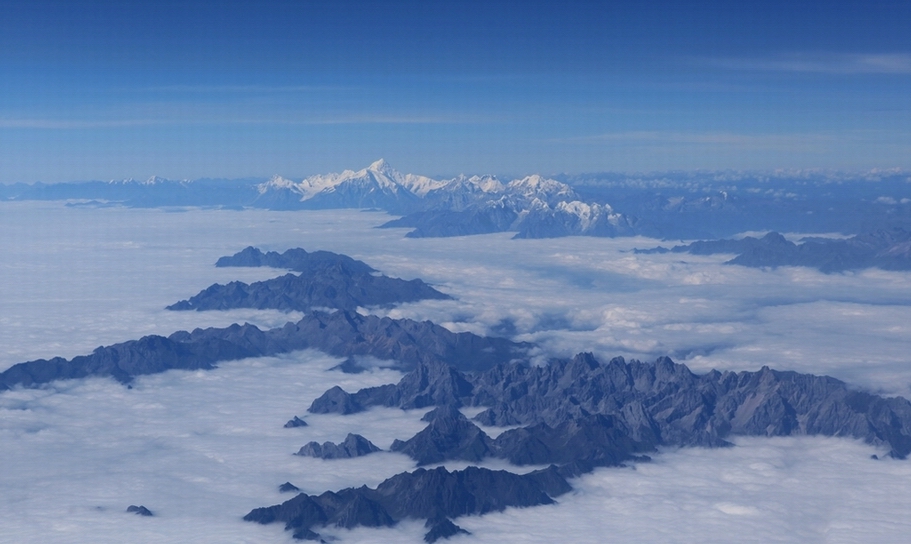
<point>381,178</point>
<point>587,214</point>
<point>276,182</point>
<point>380,166</point>
<point>483,184</point>
<point>421,185</point>
<point>152,180</point>
<point>537,186</point>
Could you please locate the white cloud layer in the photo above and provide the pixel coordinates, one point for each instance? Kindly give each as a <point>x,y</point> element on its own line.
<point>202,449</point>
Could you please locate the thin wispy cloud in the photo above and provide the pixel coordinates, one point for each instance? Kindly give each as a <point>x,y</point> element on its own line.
<point>87,124</point>
<point>733,139</point>
<point>76,124</point>
<point>835,64</point>
<point>242,88</point>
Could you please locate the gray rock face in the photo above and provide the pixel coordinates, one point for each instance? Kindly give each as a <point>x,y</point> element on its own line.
<point>295,422</point>
<point>354,445</point>
<point>448,436</point>
<point>645,405</point>
<point>340,333</point>
<point>139,510</point>
<point>296,259</point>
<point>423,494</point>
<point>586,442</point>
<point>327,280</point>
<point>288,487</point>
<point>431,383</point>
<point>442,529</point>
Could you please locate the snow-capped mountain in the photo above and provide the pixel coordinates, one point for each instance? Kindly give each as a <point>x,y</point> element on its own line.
<point>377,186</point>
<point>574,218</point>
<point>537,187</point>
<point>534,206</point>
<point>152,180</point>
<point>462,192</point>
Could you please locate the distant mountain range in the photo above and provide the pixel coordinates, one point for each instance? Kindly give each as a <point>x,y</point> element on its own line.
<point>532,206</point>
<point>886,249</point>
<point>695,205</point>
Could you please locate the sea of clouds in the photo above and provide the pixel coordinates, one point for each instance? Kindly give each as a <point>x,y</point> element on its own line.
<point>201,449</point>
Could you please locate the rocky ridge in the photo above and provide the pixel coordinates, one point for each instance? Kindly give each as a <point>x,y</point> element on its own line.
<point>885,249</point>
<point>326,280</point>
<point>436,495</point>
<point>644,405</point>
<point>344,334</point>
<point>354,445</point>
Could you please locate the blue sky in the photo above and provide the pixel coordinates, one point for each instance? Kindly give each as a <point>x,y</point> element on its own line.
<point>101,90</point>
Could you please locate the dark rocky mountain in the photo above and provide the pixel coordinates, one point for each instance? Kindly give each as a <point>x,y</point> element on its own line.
<point>296,259</point>
<point>579,409</point>
<point>442,529</point>
<point>139,510</point>
<point>528,218</point>
<point>574,415</point>
<point>480,219</point>
<point>340,333</point>
<point>288,487</point>
<point>581,443</point>
<point>886,249</point>
<point>295,422</point>
<point>327,280</point>
<point>435,495</point>
<point>354,445</point>
<point>449,436</point>
<point>429,384</point>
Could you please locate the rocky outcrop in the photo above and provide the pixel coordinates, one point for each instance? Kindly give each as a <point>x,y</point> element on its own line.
<point>340,333</point>
<point>139,510</point>
<point>431,383</point>
<point>354,445</point>
<point>601,413</point>
<point>442,529</point>
<point>295,422</point>
<point>296,259</point>
<point>288,487</point>
<point>449,436</point>
<point>435,495</point>
<point>326,280</point>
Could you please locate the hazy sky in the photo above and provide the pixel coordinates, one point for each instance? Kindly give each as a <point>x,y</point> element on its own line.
<point>100,90</point>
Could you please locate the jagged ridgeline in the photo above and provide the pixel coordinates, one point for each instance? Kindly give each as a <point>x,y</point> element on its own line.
<point>434,495</point>
<point>643,405</point>
<point>325,280</point>
<point>573,415</point>
<point>344,334</point>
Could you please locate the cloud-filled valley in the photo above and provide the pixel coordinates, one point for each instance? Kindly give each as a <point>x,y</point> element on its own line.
<point>203,448</point>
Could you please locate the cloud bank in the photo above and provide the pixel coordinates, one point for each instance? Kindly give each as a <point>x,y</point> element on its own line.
<point>202,449</point>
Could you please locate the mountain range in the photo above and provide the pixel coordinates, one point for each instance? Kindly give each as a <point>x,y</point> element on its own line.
<point>671,205</point>
<point>885,249</point>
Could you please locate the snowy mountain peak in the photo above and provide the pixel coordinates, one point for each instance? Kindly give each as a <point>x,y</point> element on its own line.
<point>276,182</point>
<point>536,186</point>
<point>152,180</point>
<point>133,181</point>
<point>380,166</point>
